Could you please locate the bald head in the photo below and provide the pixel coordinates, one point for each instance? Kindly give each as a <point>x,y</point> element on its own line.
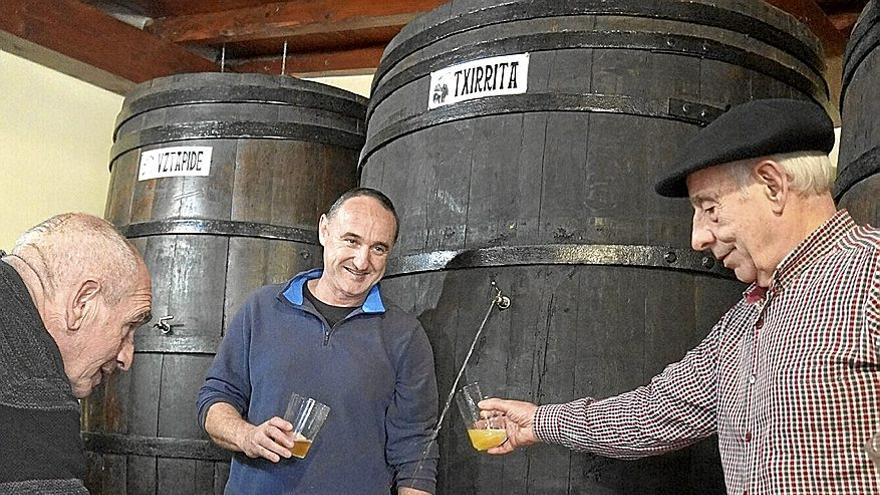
<point>368,192</point>
<point>70,246</point>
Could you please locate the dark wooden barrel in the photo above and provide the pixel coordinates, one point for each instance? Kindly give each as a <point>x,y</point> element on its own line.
<point>282,150</point>
<point>549,192</point>
<point>858,184</point>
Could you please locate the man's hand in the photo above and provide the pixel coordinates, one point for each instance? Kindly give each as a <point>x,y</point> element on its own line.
<point>520,417</point>
<point>270,440</point>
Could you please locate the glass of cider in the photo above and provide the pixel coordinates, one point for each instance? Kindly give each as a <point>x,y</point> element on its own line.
<point>307,416</point>
<point>484,433</point>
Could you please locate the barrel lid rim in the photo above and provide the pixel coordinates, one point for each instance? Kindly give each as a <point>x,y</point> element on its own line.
<point>357,109</point>
<point>245,79</point>
<point>803,35</point>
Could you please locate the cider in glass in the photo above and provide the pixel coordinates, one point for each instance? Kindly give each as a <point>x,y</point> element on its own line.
<point>485,439</point>
<point>301,448</point>
<point>484,433</point>
<point>307,416</point>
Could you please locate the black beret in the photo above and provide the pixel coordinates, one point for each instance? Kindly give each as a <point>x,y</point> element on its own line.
<point>751,130</point>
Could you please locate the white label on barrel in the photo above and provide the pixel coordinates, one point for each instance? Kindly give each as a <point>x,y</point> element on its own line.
<point>178,161</point>
<point>493,76</point>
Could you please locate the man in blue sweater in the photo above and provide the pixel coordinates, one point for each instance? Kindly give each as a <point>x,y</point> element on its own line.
<point>328,334</point>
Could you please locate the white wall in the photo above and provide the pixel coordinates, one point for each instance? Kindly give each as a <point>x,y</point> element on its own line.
<point>355,84</point>
<point>834,152</point>
<point>55,136</point>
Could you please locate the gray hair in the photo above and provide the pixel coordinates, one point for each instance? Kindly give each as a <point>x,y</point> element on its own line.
<point>72,245</point>
<point>810,172</point>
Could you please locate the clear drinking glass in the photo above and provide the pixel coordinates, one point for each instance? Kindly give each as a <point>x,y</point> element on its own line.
<point>307,416</point>
<point>484,433</point>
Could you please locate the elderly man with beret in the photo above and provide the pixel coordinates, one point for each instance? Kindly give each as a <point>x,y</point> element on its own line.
<point>789,377</point>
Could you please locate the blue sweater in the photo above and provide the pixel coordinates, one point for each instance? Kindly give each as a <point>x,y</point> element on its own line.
<point>374,369</point>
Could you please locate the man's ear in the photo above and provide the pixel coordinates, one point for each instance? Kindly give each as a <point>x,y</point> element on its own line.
<point>79,305</point>
<point>323,225</point>
<point>774,183</point>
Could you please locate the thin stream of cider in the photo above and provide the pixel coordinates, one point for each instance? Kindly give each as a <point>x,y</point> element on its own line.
<point>448,402</point>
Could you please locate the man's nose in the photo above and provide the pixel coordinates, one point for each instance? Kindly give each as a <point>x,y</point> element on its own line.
<point>362,258</point>
<point>125,356</point>
<point>701,237</point>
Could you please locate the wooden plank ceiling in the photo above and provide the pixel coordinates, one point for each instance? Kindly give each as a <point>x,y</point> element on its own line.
<point>117,43</point>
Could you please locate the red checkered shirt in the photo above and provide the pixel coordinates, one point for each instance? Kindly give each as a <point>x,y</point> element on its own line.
<point>788,378</point>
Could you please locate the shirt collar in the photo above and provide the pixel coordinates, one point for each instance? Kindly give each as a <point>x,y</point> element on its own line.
<point>754,293</point>
<point>293,292</point>
<point>817,245</point>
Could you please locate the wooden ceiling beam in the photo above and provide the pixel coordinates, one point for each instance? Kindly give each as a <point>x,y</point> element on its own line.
<point>284,19</point>
<point>809,12</point>
<point>84,42</point>
<point>343,62</point>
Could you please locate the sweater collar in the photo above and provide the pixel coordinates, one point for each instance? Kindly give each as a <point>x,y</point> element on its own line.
<point>293,292</point>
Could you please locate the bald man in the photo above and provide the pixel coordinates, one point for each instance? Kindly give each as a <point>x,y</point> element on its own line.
<point>72,292</point>
<point>330,334</point>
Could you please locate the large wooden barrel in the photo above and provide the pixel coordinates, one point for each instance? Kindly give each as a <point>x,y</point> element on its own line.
<point>211,230</point>
<point>544,183</point>
<point>858,184</point>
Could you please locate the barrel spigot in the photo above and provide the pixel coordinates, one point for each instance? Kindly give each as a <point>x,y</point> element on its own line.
<point>163,325</point>
<point>500,300</point>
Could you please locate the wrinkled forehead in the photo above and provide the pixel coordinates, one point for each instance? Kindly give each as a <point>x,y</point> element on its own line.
<point>710,182</point>
<point>142,286</point>
<point>363,212</point>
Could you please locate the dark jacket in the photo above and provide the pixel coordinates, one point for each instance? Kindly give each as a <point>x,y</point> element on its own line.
<point>40,443</point>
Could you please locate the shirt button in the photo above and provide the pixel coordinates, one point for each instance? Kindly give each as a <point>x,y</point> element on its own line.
<point>760,323</point>
<point>748,436</point>
<point>752,379</point>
